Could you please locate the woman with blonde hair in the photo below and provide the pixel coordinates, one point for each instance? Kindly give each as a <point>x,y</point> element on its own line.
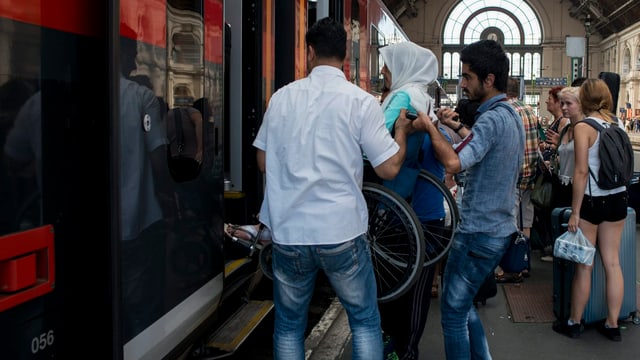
<point>599,214</point>
<point>572,110</point>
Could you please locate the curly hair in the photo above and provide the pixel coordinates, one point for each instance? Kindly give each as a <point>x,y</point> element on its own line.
<point>486,57</point>
<point>467,109</point>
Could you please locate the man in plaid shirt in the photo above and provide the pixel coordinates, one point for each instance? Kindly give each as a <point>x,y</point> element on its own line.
<point>527,176</point>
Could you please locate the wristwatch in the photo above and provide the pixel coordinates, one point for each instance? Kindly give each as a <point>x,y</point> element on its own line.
<point>459,128</point>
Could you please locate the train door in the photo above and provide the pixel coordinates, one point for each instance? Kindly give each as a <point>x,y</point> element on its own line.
<point>54,213</point>
<point>170,183</point>
<point>106,250</point>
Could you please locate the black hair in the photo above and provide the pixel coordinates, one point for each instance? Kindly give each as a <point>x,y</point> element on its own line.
<point>486,57</point>
<point>128,53</point>
<point>466,110</point>
<point>202,105</point>
<point>142,80</point>
<point>578,81</point>
<point>328,38</point>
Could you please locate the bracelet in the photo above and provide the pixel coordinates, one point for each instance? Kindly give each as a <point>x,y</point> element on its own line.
<point>459,128</point>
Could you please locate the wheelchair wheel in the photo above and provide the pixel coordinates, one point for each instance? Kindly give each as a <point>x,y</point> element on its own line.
<point>396,241</point>
<point>438,233</point>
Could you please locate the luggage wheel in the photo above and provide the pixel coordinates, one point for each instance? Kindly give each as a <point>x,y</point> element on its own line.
<point>635,318</point>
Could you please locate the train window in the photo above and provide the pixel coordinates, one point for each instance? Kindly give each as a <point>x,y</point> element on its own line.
<point>20,127</point>
<point>355,43</point>
<point>377,41</point>
<point>312,12</point>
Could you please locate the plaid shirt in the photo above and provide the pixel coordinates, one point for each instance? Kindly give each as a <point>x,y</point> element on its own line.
<point>527,176</point>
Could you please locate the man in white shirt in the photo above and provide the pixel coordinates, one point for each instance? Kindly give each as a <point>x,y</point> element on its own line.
<point>310,146</point>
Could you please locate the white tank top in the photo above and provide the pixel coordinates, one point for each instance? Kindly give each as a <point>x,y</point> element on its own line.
<point>594,165</point>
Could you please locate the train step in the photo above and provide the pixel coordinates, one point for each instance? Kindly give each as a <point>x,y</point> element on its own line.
<point>237,328</point>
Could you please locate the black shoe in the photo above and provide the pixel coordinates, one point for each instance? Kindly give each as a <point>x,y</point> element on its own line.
<point>512,278</point>
<point>612,334</point>
<point>572,331</point>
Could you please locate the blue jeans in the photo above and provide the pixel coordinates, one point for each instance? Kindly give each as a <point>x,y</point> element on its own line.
<point>350,272</point>
<point>471,258</point>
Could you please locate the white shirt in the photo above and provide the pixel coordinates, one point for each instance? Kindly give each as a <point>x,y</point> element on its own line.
<point>594,165</point>
<point>314,133</point>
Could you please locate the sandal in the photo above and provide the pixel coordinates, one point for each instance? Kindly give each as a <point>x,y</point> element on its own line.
<point>506,278</point>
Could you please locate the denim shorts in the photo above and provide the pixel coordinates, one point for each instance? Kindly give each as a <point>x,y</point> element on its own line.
<point>596,209</point>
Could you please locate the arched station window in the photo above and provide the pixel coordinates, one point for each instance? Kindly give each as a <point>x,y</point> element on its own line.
<point>513,23</point>
<point>626,61</point>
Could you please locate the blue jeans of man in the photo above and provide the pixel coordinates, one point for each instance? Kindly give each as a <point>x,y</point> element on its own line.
<point>471,258</point>
<point>349,269</point>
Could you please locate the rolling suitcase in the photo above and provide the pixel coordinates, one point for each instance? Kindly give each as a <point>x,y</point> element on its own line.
<point>596,309</point>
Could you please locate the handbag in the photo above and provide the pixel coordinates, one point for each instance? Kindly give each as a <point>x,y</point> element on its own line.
<point>516,258</point>
<point>574,246</point>
<point>542,193</point>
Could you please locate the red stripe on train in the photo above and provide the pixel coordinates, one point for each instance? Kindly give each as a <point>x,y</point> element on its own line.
<point>72,16</point>
<point>142,20</point>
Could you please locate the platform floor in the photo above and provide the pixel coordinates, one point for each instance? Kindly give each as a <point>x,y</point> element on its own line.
<point>509,340</point>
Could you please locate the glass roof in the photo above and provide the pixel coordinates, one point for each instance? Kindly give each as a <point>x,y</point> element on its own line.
<point>515,18</point>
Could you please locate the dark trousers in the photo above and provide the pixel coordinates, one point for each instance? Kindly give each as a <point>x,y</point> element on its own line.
<point>404,319</point>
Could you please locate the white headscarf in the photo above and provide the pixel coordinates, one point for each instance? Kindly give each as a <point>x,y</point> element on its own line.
<point>412,69</point>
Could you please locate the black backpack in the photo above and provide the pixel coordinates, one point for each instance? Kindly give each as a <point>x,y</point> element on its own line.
<point>616,156</point>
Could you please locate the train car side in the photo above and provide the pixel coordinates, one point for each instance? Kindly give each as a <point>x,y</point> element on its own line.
<point>107,248</point>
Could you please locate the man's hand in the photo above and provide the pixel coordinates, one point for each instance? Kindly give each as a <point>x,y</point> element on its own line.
<point>449,117</point>
<point>423,123</point>
<point>403,124</point>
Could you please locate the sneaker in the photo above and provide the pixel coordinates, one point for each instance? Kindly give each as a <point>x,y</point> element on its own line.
<point>547,258</point>
<point>610,333</point>
<point>563,327</point>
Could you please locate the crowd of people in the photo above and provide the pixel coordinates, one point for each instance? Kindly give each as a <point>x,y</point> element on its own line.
<point>633,125</point>
<point>317,217</point>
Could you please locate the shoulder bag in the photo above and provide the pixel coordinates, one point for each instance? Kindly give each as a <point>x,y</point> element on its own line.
<point>516,258</point>
<point>542,193</point>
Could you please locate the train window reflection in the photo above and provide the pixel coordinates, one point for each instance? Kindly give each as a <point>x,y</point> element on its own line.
<point>20,128</point>
<point>186,49</point>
